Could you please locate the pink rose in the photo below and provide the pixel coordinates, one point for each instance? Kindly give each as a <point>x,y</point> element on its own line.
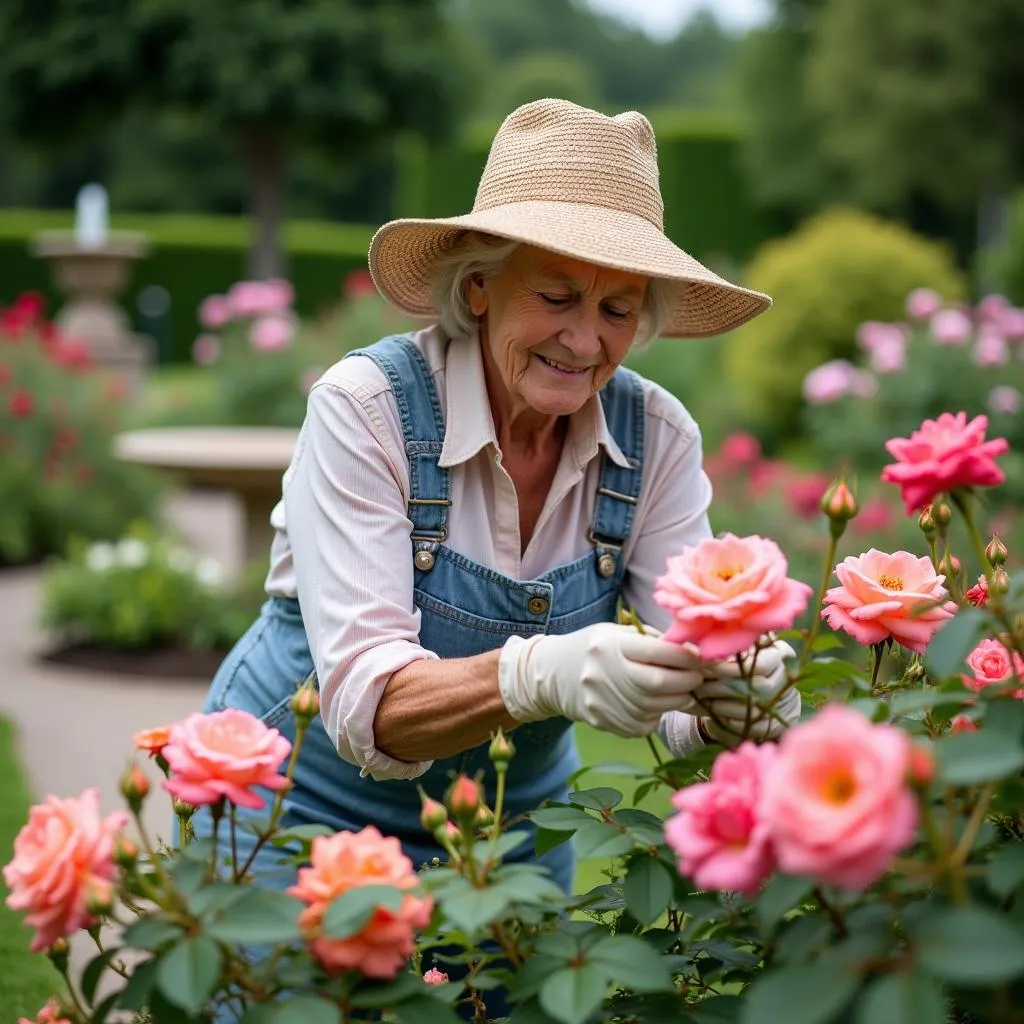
<point>740,448</point>
<point>881,596</point>
<point>435,977</point>
<point>837,800</point>
<point>991,348</point>
<point>978,594</point>
<point>720,835</point>
<point>215,311</point>
<point>991,664</point>
<point>206,350</point>
<point>942,455</point>
<point>923,303</point>
<point>1005,400</point>
<point>993,307</point>
<point>1012,324</point>
<point>63,854</point>
<point>49,1014</point>
<point>224,754</point>
<point>271,333</point>
<point>726,592</point>
<point>834,380</point>
<point>961,723</point>
<point>950,327</point>
<point>348,860</point>
<point>888,358</point>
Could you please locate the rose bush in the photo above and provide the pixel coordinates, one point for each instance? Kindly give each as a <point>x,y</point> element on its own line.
<point>869,867</point>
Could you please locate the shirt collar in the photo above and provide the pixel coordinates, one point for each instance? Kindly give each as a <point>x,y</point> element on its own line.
<point>470,426</point>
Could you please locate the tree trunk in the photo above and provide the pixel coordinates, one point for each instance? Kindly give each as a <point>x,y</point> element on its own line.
<point>265,158</point>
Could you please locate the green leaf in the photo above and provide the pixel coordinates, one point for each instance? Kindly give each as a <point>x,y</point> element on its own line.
<point>188,974</point>
<point>215,897</point>
<point>969,946</point>
<point>151,933</point>
<point>472,909</point>
<point>647,829</point>
<point>561,819</point>
<point>905,998</point>
<point>1005,870</point>
<point>602,798</point>
<point>971,757</point>
<point>260,916</point>
<point>424,1009</point>
<point>808,994</point>
<point>349,913</point>
<point>572,994</point>
<point>781,894</point>
<point>302,833</point>
<point>547,839</point>
<point>102,1010</point>
<point>374,994</point>
<point>908,702</point>
<point>632,964</point>
<point>648,889</point>
<point>599,839</point>
<point>95,970</point>
<point>295,1010</point>
<point>716,1010</point>
<point>140,984</point>
<point>189,875</point>
<point>948,649</point>
<point>507,842</point>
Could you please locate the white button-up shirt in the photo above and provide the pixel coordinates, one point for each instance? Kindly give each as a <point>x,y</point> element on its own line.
<point>342,543</point>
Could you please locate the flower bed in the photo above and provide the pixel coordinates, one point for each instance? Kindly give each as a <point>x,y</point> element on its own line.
<point>868,867</point>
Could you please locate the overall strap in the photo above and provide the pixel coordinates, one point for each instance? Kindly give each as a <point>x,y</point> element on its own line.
<point>419,410</point>
<point>618,488</point>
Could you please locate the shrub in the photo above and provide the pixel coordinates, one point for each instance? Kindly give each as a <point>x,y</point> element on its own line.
<point>143,592</point>
<point>836,271</point>
<point>58,475</point>
<point>1003,264</point>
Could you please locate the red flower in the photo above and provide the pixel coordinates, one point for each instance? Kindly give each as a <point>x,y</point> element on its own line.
<point>31,305</point>
<point>21,404</point>
<point>5,374</point>
<point>73,354</point>
<point>359,284</point>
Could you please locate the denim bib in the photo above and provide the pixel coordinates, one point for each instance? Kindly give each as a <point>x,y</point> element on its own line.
<point>466,609</point>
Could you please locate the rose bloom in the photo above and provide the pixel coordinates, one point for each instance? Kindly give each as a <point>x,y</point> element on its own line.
<point>726,592</point>
<point>719,835</point>
<point>271,333</point>
<point>349,860</point>
<point>961,723</point>
<point>224,754</point>
<point>215,311</point>
<point>950,327</point>
<point>836,798</point>
<point>49,1014</point>
<point>835,379</point>
<point>435,977</point>
<point>923,303</point>
<point>942,455</point>
<point>882,595</point>
<point>991,664</point>
<point>1005,399</point>
<point>978,594</point>
<point>63,853</point>
<point>152,741</point>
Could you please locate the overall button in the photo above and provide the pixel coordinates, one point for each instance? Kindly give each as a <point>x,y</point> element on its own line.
<point>606,565</point>
<point>538,605</point>
<point>424,560</point>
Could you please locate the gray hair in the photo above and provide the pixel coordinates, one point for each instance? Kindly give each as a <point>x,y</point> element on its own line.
<point>483,255</point>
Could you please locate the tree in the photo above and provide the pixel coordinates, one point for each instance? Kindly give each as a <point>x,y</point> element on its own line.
<point>342,77</point>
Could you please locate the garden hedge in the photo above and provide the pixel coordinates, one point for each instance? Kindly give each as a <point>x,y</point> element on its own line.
<point>191,256</point>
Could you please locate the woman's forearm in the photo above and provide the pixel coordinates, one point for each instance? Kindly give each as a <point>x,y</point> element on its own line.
<point>433,709</point>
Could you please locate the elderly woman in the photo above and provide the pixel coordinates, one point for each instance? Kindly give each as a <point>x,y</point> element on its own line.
<point>468,504</point>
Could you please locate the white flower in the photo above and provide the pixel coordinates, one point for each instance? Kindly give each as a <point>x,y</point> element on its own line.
<point>180,560</point>
<point>209,572</point>
<point>100,557</point>
<point>132,552</point>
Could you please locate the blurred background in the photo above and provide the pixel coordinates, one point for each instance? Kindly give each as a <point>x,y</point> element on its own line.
<point>188,189</point>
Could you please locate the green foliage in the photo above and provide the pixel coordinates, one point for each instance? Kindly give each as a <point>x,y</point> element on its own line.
<point>1003,263</point>
<point>58,473</point>
<point>145,591</point>
<point>835,272</point>
<point>28,979</point>
<point>192,256</point>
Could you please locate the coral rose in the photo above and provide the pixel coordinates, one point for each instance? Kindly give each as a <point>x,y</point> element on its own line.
<point>152,741</point>
<point>62,855</point>
<point>51,1013</point>
<point>726,592</point>
<point>719,834</point>
<point>881,596</point>
<point>348,860</point>
<point>943,455</point>
<point>224,754</point>
<point>435,977</point>
<point>836,798</point>
<point>991,664</point>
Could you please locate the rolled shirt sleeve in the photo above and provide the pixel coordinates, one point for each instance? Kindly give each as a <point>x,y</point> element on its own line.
<point>345,505</point>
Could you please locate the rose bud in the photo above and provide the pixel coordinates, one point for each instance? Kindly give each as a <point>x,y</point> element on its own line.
<point>502,750</point>
<point>1000,582</point>
<point>58,954</point>
<point>920,765</point>
<point>433,815</point>
<point>943,515</point>
<point>126,851</point>
<point>134,787</point>
<point>927,522</point>
<point>838,502</point>
<point>996,552</point>
<point>950,566</point>
<point>464,798</point>
<point>484,817</point>
<point>183,810</point>
<point>448,832</point>
<point>99,897</point>
<point>961,723</point>
<point>305,703</point>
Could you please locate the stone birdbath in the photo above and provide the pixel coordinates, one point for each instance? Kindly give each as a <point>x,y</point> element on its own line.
<point>91,266</point>
<point>247,462</point>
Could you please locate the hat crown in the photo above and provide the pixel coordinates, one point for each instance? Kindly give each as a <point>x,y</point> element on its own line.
<point>556,151</point>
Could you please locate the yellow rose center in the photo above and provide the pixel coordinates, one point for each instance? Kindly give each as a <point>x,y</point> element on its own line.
<point>838,787</point>
<point>727,572</point>
<point>891,582</point>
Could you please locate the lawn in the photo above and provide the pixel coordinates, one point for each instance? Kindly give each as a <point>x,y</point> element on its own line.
<point>26,979</point>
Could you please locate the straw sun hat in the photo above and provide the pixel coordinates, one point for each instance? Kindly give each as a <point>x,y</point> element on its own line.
<point>576,182</point>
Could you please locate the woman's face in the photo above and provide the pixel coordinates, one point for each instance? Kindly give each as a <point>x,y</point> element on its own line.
<point>555,329</point>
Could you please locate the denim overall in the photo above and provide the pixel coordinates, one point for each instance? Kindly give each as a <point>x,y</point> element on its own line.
<point>466,609</point>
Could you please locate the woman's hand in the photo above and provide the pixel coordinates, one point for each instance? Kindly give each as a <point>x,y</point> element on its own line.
<point>607,675</point>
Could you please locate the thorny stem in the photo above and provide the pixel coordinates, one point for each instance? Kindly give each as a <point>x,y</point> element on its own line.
<point>234,844</point>
<point>877,651</point>
<point>833,912</point>
<point>963,849</point>
<point>826,578</point>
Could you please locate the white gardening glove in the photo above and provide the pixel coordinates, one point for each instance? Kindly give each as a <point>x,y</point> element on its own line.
<point>607,675</point>
<point>721,694</point>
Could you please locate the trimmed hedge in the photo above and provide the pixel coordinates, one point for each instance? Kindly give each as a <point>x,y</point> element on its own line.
<point>192,256</point>
<point>708,208</point>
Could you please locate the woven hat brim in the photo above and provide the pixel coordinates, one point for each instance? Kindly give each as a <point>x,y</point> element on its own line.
<point>403,253</point>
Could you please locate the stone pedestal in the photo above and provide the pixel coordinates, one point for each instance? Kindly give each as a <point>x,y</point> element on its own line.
<point>92,278</point>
